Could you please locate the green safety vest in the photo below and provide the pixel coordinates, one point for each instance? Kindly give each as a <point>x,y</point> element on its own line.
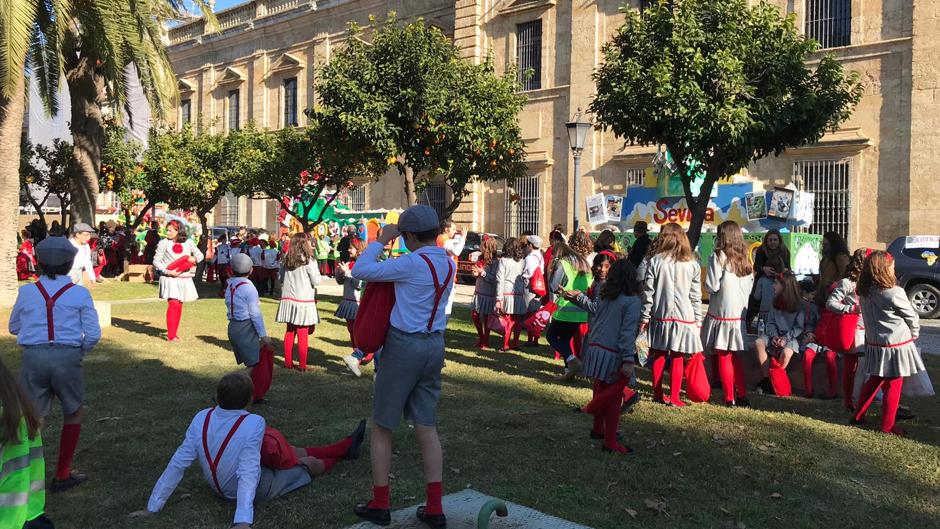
<point>323,250</point>
<point>568,311</point>
<point>22,480</point>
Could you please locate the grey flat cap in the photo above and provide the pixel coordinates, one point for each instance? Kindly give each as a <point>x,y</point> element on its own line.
<point>55,251</point>
<point>82,227</point>
<point>534,240</point>
<point>241,263</point>
<point>417,219</point>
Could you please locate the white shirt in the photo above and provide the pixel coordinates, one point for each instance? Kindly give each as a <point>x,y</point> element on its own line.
<point>239,468</point>
<point>246,303</point>
<point>454,245</point>
<point>222,254</point>
<point>255,253</point>
<point>75,320</point>
<point>269,258</point>
<point>414,286</point>
<point>82,263</point>
<point>532,262</point>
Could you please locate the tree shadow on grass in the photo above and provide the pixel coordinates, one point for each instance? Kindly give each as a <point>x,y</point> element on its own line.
<point>137,326</point>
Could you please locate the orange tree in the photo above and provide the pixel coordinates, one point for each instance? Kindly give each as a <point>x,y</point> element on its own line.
<point>44,174</point>
<point>719,83</point>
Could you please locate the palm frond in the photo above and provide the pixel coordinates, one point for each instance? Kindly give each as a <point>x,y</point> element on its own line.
<point>16,31</point>
<point>45,53</point>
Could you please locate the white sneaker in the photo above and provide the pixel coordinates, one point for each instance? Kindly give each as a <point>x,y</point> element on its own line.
<point>353,364</point>
<point>574,367</point>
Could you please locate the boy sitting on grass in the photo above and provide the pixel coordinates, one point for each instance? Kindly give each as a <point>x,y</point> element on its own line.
<point>242,459</point>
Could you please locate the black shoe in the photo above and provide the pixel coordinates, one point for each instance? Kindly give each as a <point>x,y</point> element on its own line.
<point>381,517</point>
<point>727,403</point>
<point>857,422</point>
<point>74,480</point>
<point>742,402</point>
<point>437,521</point>
<point>597,436</point>
<point>358,435</point>
<point>628,404</point>
<point>765,386</point>
<point>904,414</point>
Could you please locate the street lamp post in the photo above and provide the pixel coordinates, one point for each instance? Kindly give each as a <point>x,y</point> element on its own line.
<point>577,134</point>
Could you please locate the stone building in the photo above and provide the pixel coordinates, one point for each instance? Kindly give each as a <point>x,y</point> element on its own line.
<point>874,179</point>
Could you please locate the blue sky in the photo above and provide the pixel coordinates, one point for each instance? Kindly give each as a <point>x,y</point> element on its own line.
<point>223,4</point>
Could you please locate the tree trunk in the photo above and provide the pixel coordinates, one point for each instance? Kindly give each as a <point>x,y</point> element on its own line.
<point>410,194</point>
<point>86,88</point>
<point>203,243</point>
<point>11,134</point>
<point>699,207</point>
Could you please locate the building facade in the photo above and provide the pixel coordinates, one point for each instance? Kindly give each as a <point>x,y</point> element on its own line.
<point>874,179</point>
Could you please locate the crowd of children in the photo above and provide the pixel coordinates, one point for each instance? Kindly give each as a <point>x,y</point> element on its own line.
<point>602,306</point>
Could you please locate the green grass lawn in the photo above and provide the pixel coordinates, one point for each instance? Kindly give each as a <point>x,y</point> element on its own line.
<point>507,431</point>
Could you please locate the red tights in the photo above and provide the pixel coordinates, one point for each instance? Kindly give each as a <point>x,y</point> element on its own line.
<point>675,376</point>
<point>605,407</point>
<point>262,373</point>
<point>174,313</point>
<point>483,331</point>
<point>809,355</point>
<point>891,398</point>
<point>731,373</point>
<point>302,334</point>
<point>849,366</point>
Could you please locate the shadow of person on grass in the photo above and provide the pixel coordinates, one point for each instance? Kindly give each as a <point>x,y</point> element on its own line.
<point>137,326</point>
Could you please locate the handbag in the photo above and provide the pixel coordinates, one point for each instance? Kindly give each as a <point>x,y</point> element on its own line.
<point>276,452</point>
<point>697,388</point>
<point>537,284</point>
<point>499,323</point>
<point>779,380</point>
<point>539,320</point>
<point>372,319</point>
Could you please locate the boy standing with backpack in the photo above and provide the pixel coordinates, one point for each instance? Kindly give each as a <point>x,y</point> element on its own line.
<point>408,374</point>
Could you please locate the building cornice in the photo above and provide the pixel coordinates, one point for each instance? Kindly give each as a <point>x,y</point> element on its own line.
<point>521,6</point>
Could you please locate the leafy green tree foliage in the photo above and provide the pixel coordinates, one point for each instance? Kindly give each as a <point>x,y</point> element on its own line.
<point>721,83</point>
<point>407,98</point>
<point>44,174</point>
<point>122,173</point>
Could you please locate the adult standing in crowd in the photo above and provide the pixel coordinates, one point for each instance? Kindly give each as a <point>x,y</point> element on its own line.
<point>452,241</point>
<point>641,245</point>
<point>835,259</point>
<point>83,269</point>
<point>151,240</point>
<point>533,266</point>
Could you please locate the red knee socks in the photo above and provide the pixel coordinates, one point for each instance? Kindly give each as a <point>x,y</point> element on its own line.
<point>510,325</point>
<point>289,346</point>
<point>867,396</point>
<point>892,399</point>
<point>68,441</point>
<point>174,313</point>
<point>809,354</point>
<point>726,373</point>
<point>598,427</point>
<point>478,323</point>
<point>303,334</point>
<point>832,372</point>
<point>380,497</point>
<point>659,365</point>
<point>434,506</point>
<point>849,366</point>
<point>675,378</point>
<point>336,450</point>
<point>740,388</point>
<point>263,372</point>
<point>516,329</point>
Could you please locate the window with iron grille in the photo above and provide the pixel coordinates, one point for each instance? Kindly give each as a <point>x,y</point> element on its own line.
<point>233,109</point>
<point>229,216</point>
<point>635,177</point>
<point>529,54</point>
<point>435,195</point>
<point>829,22</point>
<point>522,201</point>
<point>185,112</point>
<point>355,198</point>
<point>290,102</point>
<point>829,181</point>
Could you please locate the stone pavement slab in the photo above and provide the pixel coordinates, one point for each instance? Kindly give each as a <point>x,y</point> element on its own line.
<point>462,509</point>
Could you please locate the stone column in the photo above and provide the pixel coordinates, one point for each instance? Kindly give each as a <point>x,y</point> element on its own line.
<point>925,118</point>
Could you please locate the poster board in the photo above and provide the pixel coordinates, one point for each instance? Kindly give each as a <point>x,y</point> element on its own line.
<point>755,205</point>
<point>781,203</point>
<point>614,208</point>
<point>596,209</point>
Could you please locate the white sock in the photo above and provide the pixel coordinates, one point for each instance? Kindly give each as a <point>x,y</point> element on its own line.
<point>570,358</point>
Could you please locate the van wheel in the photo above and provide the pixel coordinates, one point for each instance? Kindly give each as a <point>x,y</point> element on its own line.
<point>926,300</point>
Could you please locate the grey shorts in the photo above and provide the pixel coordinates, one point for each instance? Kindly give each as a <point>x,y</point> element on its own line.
<point>246,344</point>
<point>276,483</point>
<point>408,379</point>
<point>54,371</point>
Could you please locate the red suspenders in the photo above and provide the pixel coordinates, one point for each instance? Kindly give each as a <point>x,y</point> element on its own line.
<point>231,290</point>
<point>50,303</point>
<point>439,287</point>
<point>214,462</point>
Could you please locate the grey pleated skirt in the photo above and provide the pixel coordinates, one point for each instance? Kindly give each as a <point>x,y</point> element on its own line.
<point>675,336</point>
<point>722,335</point>
<point>601,364</point>
<point>347,309</point>
<point>302,314</point>
<point>890,362</point>
<point>483,303</point>
<point>181,288</point>
<point>513,304</point>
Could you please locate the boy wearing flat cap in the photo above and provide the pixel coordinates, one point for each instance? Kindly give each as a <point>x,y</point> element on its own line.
<point>246,331</point>
<point>408,369</point>
<point>55,322</point>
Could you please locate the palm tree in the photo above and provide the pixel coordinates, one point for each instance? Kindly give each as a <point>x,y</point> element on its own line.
<point>91,42</point>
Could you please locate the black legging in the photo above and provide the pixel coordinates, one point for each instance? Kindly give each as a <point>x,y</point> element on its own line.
<point>559,334</point>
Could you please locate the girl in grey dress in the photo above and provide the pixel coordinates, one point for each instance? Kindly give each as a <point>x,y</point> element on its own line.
<point>728,282</point>
<point>176,286</point>
<point>672,309</point>
<point>352,292</point>
<point>891,328</point>
<point>510,290</point>
<point>298,306</point>
<point>783,329</point>
<point>484,293</point>
<point>609,348</point>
